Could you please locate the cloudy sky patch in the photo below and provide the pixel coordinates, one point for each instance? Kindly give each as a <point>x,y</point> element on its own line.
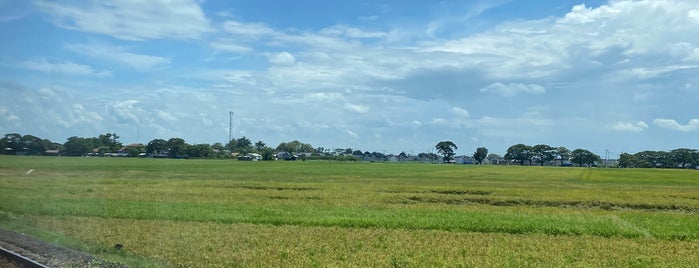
<point>378,76</point>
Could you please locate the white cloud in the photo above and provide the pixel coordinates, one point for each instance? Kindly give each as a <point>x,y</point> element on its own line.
<point>692,125</point>
<point>357,108</point>
<point>165,116</point>
<point>230,46</point>
<point>132,20</point>
<point>630,126</point>
<point>137,61</point>
<point>513,89</point>
<point>79,114</point>
<point>461,112</point>
<point>282,58</point>
<point>125,111</point>
<point>249,31</point>
<point>351,32</point>
<point>352,133</point>
<point>61,68</point>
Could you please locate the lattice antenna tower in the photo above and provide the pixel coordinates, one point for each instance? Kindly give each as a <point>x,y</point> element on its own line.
<point>230,126</point>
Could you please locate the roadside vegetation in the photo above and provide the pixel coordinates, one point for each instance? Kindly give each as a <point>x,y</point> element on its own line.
<point>206,213</point>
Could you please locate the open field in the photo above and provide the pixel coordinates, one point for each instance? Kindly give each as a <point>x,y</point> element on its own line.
<point>208,213</point>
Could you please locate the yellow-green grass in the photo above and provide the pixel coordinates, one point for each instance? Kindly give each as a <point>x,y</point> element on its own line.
<point>204,212</point>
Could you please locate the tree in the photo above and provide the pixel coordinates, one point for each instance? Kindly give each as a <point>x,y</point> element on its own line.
<point>295,147</point>
<point>109,141</point>
<point>583,157</point>
<point>519,152</point>
<point>480,154</point>
<point>199,150</point>
<point>267,154</point>
<point>32,145</point>
<point>242,145</point>
<point>684,158</point>
<point>543,153</point>
<point>562,154</point>
<point>259,146</point>
<point>12,143</point>
<point>76,146</point>
<point>157,147</point>
<point>176,147</point>
<point>627,160</point>
<point>446,149</point>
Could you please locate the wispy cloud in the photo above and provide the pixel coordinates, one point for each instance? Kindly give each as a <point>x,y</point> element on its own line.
<point>61,68</point>
<point>118,54</point>
<point>132,20</point>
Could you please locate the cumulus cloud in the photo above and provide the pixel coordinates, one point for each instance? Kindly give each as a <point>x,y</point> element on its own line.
<point>125,111</point>
<point>630,126</point>
<point>692,125</point>
<point>513,89</point>
<point>131,20</point>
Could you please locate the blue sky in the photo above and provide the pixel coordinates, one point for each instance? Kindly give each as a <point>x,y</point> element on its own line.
<point>385,76</point>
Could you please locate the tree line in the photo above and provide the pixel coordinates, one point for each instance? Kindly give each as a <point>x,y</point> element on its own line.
<point>108,144</point>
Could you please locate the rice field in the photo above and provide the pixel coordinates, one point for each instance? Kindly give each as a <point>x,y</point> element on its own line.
<point>215,213</point>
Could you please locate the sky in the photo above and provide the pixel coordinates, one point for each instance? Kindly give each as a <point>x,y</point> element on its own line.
<point>375,75</point>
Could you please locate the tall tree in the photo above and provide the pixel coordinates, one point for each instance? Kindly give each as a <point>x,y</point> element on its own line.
<point>156,147</point>
<point>583,157</point>
<point>199,150</point>
<point>543,153</point>
<point>480,154</point>
<point>684,158</point>
<point>519,152</point>
<point>259,146</point>
<point>562,154</point>
<point>242,145</point>
<point>76,146</point>
<point>177,147</point>
<point>446,149</point>
<point>33,145</point>
<point>13,143</point>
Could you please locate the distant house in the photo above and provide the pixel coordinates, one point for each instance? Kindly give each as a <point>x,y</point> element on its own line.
<point>250,157</point>
<point>464,159</point>
<point>286,156</point>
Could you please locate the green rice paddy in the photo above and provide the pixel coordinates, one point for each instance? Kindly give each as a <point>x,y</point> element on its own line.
<point>216,213</point>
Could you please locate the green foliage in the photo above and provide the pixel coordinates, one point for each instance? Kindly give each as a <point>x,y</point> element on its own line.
<point>446,149</point>
<point>76,146</point>
<point>583,157</point>
<point>157,147</point>
<point>520,152</point>
<point>295,147</point>
<point>543,153</point>
<point>480,154</point>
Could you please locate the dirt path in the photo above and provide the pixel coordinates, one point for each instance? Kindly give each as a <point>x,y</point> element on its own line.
<point>48,254</point>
